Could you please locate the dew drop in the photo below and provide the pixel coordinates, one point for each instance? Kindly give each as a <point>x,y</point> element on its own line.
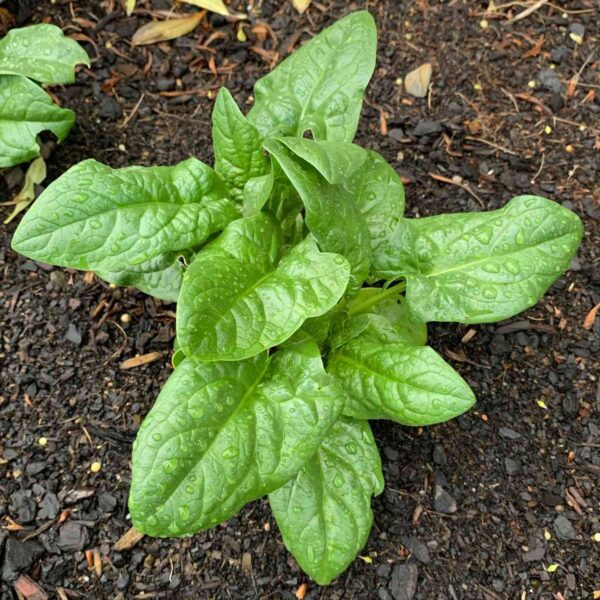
<point>95,224</point>
<point>520,238</point>
<point>184,512</point>
<point>338,480</point>
<point>297,509</point>
<point>351,448</point>
<point>512,266</point>
<point>484,235</point>
<point>190,489</point>
<point>491,268</point>
<point>489,293</point>
<point>156,437</point>
<point>170,465</point>
<point>230,452</point>
<point>339,260</point>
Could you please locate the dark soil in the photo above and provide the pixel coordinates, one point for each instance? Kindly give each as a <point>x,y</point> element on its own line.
<point>476,508</point>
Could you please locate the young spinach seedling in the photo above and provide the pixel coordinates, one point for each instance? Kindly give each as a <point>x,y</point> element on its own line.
<point>302,297</point>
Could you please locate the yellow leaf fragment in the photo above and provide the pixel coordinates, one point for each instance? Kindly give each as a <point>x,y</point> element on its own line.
<point>161,31</point>
<point>130,6</point>
<point>417,81</point>
<point>216,6</point>
<point>542,404</point>
<point>552,568</point>
<point>367,559</point>
<point>301,5</point>
<point>36,173</point>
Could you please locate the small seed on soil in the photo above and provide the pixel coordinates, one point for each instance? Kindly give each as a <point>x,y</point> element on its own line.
<point>95,467</point>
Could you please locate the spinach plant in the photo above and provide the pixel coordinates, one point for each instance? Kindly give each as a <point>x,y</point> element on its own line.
<point>302,297</point>
<point>40,53</point>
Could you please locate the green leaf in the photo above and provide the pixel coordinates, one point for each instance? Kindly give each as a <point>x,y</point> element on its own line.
<point>320,87</point>
<point>222,434</point>
<point>335,161</point>
<point>108,220</point>
<point>391,304</point>
<point>324,513</point>
<point>482,267</point>
<point>379,195</point>
<point>238,150</point>
<point>411,385</point>
<point>256,194</point>
<point>41,52</point>
<point>25,111</point>
<point>328,206</point>
<point>160,276</point>
<point>238,299</point>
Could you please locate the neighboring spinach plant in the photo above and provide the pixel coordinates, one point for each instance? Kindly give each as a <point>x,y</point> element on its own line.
<point>37,53</point>
<point>283,353</point>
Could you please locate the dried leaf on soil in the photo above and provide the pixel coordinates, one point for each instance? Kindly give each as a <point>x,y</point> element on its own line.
<point>36,173</point>
<point>301,5</point>
<point>138,361</point>
<point>130,6</point>
<point>215,6</point>
<point>588,322</point>
<point>417,81</point>
<point>161,31</point>
<point>128,540</point>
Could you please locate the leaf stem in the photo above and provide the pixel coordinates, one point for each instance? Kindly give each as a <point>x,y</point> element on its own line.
<point>376,299</point>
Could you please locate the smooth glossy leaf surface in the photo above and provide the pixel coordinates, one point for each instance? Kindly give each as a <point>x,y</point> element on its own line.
<point>327,206</point>
<point>41,52</point>
<point>102,219</point>
<point>238,299</point>
<point>25,111</point>
<point>482,267</point>
<point>324,513</point>
<point>321,85</point>
<point>160,277</point>
<point>239,155</point>
<point>411,385</point>
<point>224,433</point>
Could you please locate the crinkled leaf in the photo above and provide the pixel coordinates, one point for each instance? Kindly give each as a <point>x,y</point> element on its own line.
<point>320,86</point>
<point>324,513</point>
<point>238,150</point>
<point>379,194</point>
<point>411,385</point>
<point>482,267</point>
<point>41,52</point>
<point>327,207</point>
<point>238,299</point>
<point>160,276</point>
<point>335,161</point>
<point>224,433</point>
<point>391,304</point>
<point>102,219</point>
<point>25,111</point>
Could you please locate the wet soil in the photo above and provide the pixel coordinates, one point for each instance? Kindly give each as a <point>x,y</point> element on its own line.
<point>501,503</point>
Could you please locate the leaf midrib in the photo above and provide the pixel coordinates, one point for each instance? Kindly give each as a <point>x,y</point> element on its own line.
<point>466,265</point>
